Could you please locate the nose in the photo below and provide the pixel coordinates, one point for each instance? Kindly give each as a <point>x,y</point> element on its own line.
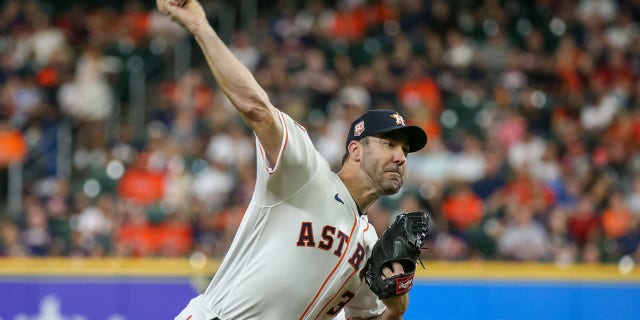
<point>399,157</point>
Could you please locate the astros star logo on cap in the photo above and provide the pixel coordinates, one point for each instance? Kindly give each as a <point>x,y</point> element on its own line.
<point>398,117</point>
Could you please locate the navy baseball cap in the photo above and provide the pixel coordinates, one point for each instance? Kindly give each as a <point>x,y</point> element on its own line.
<point>381,121</point>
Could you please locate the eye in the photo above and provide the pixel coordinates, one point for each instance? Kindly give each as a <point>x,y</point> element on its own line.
<point>387,143</point>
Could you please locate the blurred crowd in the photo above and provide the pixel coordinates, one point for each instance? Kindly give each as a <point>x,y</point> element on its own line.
<point>531,108</point>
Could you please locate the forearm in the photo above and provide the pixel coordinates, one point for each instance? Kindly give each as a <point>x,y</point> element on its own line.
<point>242,89</point>
<point>235,80</point>
<point>396,307</point>
<point>388,314</point>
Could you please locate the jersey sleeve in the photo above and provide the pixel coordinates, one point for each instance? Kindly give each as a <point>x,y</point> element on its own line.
<point>295,166</point>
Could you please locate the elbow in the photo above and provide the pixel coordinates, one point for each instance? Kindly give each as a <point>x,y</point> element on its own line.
<point>256,109</point>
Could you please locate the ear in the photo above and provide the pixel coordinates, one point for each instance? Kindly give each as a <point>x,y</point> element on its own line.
<point>355,151</point>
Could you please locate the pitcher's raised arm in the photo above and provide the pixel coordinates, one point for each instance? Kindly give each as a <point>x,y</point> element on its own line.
<point>235,80</point>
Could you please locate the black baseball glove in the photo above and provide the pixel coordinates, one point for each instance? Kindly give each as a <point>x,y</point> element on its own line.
<point>401,243</point>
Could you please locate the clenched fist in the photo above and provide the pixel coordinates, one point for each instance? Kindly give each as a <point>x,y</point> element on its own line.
<point>188,13</point>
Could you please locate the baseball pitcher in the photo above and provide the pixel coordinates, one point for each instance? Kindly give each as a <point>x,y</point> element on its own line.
<point>305,249</point>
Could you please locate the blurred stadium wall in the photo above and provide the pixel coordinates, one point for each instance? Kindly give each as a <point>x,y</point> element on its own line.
<point>118,289</point>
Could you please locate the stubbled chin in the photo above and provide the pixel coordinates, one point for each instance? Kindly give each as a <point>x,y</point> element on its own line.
<point>392,187</point>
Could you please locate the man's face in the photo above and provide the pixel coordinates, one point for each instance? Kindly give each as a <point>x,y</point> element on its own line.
<point>385,161</point>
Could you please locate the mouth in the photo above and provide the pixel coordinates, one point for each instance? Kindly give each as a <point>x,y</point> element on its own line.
<point>395,174</point>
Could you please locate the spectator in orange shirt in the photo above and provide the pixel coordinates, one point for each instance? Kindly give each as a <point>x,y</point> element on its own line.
<point>462,207</point>
<point>420,90</point>
<point>616,218</point>
<point>136,237</point>
<point>175,235</point>
<point>349,22</point>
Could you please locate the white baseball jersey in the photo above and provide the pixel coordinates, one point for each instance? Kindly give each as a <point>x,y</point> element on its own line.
<point>301,246</point>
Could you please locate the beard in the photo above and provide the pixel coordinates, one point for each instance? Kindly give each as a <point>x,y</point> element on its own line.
<point>388,179</point>
<point>392,186</point>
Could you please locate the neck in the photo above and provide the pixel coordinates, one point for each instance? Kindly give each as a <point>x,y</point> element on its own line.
<point>362,193</point>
